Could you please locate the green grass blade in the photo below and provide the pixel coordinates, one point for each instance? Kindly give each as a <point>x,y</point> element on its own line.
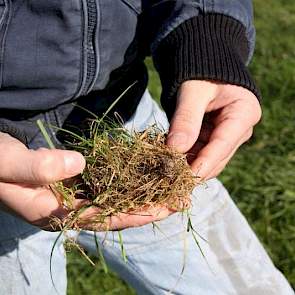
<point>114,103</point>
<point>45,134</point>
<point>123,252</point>
<point>85,110</point>
<point>100,254</point>
<point>50,259</point>
<point>84,140</point>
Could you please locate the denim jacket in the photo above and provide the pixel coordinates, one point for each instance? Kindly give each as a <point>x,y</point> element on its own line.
<point>55,52</point>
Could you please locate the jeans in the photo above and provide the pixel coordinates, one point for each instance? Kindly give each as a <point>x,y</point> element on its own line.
<point>234,261</point>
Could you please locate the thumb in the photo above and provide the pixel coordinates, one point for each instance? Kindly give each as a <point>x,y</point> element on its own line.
<point>193,99</point>
<point>42,166</point>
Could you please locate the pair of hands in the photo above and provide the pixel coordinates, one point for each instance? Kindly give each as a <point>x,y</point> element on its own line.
<point>210,122</point>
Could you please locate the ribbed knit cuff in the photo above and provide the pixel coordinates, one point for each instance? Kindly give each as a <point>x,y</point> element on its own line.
<point>5,127</point>
<point>205,47</point>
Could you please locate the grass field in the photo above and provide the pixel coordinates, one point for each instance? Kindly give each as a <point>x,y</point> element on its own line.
<point>261,177</point>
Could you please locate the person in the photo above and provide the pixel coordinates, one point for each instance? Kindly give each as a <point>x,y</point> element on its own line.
<point>54,53</point>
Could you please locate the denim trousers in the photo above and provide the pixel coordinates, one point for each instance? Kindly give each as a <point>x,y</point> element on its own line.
<point>160,260</point>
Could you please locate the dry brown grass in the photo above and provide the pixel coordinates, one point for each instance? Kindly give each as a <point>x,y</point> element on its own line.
<point>128,173</point>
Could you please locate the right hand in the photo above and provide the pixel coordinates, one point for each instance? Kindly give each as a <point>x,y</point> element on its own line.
<point>24,178</point>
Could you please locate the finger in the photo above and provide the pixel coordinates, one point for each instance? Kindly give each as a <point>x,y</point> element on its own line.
<point>91,219</point>
<point>223,163</point>
<point>43,166</point>
<point>35,204</point>
<point>126,220</point>
<point>217,170</point>
<point>193,99</point>
<point>220,167</point>
<point>223,142</point>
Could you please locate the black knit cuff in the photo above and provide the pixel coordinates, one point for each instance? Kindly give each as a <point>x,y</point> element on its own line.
<point>205,47</point>
<point>5,127</point>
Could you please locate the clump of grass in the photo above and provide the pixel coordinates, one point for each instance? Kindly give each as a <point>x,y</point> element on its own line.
<point>126,172</point>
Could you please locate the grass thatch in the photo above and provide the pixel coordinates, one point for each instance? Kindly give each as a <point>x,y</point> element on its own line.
<point>127,173</point>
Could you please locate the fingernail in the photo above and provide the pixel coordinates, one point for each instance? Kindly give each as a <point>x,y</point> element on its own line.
<point>177,141</point>
<point>74,163</point>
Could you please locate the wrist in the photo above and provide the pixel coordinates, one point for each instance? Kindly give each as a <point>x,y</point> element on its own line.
<point>207,47</point>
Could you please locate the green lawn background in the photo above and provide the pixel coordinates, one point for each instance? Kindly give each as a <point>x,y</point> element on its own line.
<point>261,177</point>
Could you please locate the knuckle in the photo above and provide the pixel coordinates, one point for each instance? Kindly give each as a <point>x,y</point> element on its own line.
<point>250,108</point>
<point>248,134</point>
<point>255,110</point>
<point>257,114</point>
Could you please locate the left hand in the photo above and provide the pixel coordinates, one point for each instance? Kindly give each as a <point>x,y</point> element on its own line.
<point>210,122</point>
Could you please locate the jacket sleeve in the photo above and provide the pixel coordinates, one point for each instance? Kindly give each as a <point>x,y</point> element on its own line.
<point>194,39</point>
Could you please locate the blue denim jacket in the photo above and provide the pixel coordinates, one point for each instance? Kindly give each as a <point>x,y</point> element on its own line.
<point>53,52</point>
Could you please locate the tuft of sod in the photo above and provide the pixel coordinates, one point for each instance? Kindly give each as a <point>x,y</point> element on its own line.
<point>126,172</point>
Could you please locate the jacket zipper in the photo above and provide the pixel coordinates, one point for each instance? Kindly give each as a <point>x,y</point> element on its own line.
<point>91,62</point>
